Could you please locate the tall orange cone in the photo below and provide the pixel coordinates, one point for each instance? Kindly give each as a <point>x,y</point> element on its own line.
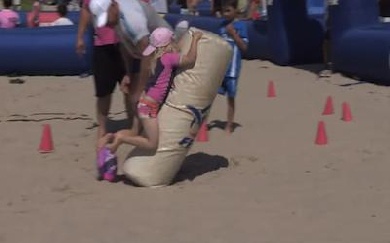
<point>271,90</point>
<point>347,115</point>
<point>328,109</point>
<point>202,135</point>
<point>46,145</point>
<point>321,138</point>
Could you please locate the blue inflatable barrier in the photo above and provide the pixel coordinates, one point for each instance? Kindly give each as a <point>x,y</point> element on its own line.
<point>174,8</point>
<point>293,33</point>
<point>204,8</point>
<point>294,37</point>
<point>360,43</point>
<point>290,36</point>
<point>258,47</point>
<point>43,51</point>
<point>316,10</point>
<point>315,7</point>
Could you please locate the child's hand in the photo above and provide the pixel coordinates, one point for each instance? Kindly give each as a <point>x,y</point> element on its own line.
<point>103,141</point>
<point>197,35</point>
<point>230,29</point>
<point>115,142</point>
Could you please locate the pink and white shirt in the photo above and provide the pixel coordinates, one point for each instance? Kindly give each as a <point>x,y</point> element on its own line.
<point>159,83</point>
<point>104,35</point>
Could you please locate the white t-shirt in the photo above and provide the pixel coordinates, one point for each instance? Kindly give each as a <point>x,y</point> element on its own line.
<point>137,20</point>
<point>61,21</point>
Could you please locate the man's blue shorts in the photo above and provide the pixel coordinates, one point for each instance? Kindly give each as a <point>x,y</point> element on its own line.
<point>229,87</point>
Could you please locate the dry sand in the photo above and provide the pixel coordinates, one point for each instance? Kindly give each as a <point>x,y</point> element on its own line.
<point>267,182</point>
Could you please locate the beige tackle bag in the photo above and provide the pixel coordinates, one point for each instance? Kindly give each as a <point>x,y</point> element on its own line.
<point>188,103</point>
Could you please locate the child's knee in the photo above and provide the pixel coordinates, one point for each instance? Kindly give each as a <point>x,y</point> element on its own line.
<point>153,145</point>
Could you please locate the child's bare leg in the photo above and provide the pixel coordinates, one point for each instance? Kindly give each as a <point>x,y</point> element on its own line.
<point>134,123</point>
<point>150,141</point>
<point>230,115</point>
<point>116,139</point>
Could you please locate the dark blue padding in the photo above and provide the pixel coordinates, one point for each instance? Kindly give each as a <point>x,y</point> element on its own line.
<point>204,8</point>
<point>294,37</point>
<point>43,51</point>
<point>315,7</point>
<point>360,43</point>
<point>365,52</point>
<point>174,8</point>
<point>258,46</point>
<point>74,16</point>
<point>320,18</point>
<point>349,14</point>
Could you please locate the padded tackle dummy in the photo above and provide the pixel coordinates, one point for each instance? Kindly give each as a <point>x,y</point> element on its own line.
<point>187,105</point>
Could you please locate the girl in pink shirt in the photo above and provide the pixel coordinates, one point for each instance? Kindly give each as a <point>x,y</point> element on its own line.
<point>166,59</point>
<point>8,18</point>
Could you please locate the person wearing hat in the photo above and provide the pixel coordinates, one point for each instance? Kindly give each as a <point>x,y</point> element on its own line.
<point>165,58</point>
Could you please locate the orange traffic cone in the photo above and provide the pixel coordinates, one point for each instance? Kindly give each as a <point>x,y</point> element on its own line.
<point>271,90</point>
<point>46,145</point>
<point>202,135</point>
<point>321,138</point>
<point>328,109</point>
<point>347,115</point>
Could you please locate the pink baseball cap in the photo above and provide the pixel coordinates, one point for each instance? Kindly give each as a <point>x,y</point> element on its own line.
<point>160,37</point>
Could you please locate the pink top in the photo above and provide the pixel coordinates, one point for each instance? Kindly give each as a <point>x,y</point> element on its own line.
<point>8,18</point>
<point>104,35</point>
<point>158,84</point>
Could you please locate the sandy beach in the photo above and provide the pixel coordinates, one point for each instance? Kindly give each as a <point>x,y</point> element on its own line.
<point>267,182</point>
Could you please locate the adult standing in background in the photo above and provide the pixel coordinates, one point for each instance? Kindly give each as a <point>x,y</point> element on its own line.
<point>107,64</point>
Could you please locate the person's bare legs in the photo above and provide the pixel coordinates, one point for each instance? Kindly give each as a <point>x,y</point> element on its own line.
<point>130,100</point>
<point>150,141</point>
<point>327,71</point>
<point>136,87</point>
<point>230,115</point>
<point>102,108</point>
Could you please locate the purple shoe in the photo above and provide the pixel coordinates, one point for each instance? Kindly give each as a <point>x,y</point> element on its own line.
<point>106,165</point>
